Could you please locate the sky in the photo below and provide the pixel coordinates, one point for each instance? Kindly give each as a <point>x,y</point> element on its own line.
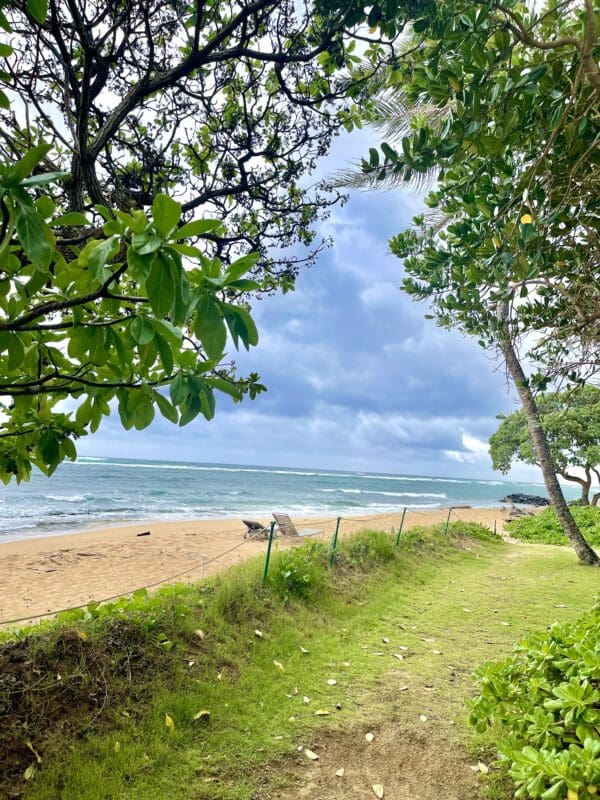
<point>357,378</point>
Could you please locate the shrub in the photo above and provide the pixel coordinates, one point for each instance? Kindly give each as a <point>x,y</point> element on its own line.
<point>368,549</point>
<point>300,570</point>
<point>546,529</point>
<point>546,700</point>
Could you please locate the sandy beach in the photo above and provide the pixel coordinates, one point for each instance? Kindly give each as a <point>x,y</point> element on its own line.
<point>48,574</point>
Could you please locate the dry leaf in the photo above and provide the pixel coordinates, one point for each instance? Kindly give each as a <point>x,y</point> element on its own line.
<point>560,605</point>
<point>402,647</point>
<point>332,681</point>
<point>339,772</point>
<point>117,747</point>
<point>258,633</point>
<point>378,654</point>
<point>30,771</point>
<point>306,699</point>
<point>369,737</point>
<point>398,656</point>
<point>423,718</point>
<point>385,640</point>
<point>437,652</point>
<point>35,753</point>
<point>304,650</point>
<point>402,688</point>
<point>506,624</point>
<point>322,713</point>
<point>291,719</point>
<point>467,610</point>
<point>82,635</point>
<point>346,663</point>
<point>309,754</point>
<point>377,790</point>
<point>203,715</point>
<point>200,634</point>
<point>428,639</point>
<point>482,768</point>
<point>279,665</point>
<point>169,723</point>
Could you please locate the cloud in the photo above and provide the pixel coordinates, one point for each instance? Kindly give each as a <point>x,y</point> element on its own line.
<point>357,378</point>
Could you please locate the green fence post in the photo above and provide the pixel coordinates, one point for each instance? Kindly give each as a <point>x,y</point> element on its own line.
<point>334,542</point>
<point>400,528</point>
<point>268,558</point>
<point>447,521</point>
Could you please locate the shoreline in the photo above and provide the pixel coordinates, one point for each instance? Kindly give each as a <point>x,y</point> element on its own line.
<point>49,573</point>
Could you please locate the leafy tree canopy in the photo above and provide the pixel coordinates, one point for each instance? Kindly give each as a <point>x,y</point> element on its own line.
<point>571,421</point>
<point>153,177</point>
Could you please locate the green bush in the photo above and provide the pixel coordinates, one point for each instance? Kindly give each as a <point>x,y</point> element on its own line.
<point>367,549</point>
<point>546,529</point>
<point>546,701</point>
<point>299,571</point>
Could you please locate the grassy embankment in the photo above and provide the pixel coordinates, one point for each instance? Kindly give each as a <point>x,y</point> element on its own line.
<point>114,705</point>
<point>545,528</point>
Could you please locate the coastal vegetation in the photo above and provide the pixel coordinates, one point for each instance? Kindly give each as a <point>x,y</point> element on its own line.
<point>208,690</point>
<point>571,422</point>
<point>496,102</point>
<point>153,163</point>
<point>545,528</point>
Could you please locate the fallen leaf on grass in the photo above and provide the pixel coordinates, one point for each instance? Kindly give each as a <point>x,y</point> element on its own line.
<point>258,633</point>
<point>378,654</point>
<point>385,640</point>
<point>402,688</point>
<point>83,635</point>
<point>480,767</point>
<point>200,634</point>
<point>428,639</point>
<point>423,718</point>
<point>279,665</point>
<point>399,656</point>
<point>340,772</point>
<point>203,715</point>
<point>559,605</point>
<point>346,663</point>
<point>332,681</point>
<point>369,737</point>
<point>38,757</point>
<point>437,652</point>
<point>506,624</point>
<point>169,723</point>
<point>309,754</point>
<point>304,650</point>
<point>306,699</point>
<point>30,771</point>
<point>467,610</point>
<point>377,790</point>
<point>322,713</point>
<point>291,719</point>
<point>117,747</point>
<point>402,647</point>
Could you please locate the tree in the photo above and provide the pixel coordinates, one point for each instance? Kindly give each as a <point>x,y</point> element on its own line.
<point>571,422</point>
<point>153,163</point>
<point>513,245</point>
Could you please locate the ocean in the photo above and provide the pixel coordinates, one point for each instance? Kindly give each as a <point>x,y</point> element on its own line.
<point>96,492</point>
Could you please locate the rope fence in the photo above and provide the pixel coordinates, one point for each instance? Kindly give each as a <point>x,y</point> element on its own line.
<point>334,522</point>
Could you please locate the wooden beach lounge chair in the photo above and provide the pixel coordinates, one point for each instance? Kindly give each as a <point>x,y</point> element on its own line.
<point>255,529</point>
<point>287,527</point>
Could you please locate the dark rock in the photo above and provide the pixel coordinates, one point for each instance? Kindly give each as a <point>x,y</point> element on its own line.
<point>526,499</point>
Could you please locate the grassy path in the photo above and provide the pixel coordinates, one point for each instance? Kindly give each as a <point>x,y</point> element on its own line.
<point>444,614</point>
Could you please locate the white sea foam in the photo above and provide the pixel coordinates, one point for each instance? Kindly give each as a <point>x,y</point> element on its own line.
<point>442,495</point>
<point>194,468</point>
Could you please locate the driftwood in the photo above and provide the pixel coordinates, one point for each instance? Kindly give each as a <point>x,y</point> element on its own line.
<point>144,533</point>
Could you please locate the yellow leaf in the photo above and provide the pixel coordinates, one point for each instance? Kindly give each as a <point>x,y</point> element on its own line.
<point>203,715</point>
<point>527,219</point>
<point>82,635</point>
<point>378,790</point>
<point>30,771</point>
<point>322,713</point>
<point>169,723</point>
<point>117,747</point>
<point>571,795</point>
<point>35,753</point>
<point>200,634</point>
<point>279,665</point>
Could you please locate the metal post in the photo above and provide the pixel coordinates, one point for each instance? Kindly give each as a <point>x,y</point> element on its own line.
<point>494,527</point>
<point>400,528</point>
<point>334,542</point>
<point>447,521</point>
<point>268,558</point>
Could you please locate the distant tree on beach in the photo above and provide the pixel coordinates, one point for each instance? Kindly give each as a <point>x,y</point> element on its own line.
<point>498,103</point>
<point>153,165</point>
<point>571,422</point>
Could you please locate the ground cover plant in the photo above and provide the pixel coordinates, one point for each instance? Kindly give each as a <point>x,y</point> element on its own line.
<point>547,702</point>
<point>545,528</point>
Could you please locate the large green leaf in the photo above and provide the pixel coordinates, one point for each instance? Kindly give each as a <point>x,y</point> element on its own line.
<point>166,213</point>
<point>38,10</point>
<point>33,236</point>
<point>197,227</point>
<point>160,286</point>
<point>142,331</point>
<point>28,163</point>
<point>209,327</point>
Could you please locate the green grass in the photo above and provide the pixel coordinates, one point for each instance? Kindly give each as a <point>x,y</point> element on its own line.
<point>545,528</point>
<point>256,715</point>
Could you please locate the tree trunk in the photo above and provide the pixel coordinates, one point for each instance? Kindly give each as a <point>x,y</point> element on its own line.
<point>584,552</point>
<point>585,485</point>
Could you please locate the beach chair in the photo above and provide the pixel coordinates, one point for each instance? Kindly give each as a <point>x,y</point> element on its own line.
<point>256,530</point>
<point>287,527</point>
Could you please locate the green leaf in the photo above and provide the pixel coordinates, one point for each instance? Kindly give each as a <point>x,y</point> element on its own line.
<point>197,227</point>
<point>32,232</point>
<point>68,449</point>
<point>241,325</point>
<point>209,327</point>
<point>49,447</point>
<point>225,386</point>
<point>38,10</point>
<point>142,331</point>
<point>166,409</point>
<point>72,218</point>
<point>241,266</point>
<point>166,213</point>
<point>178,389</point>
<point>28,163</point>
<point>165,352</point>
<point>160,286</point>
<point>45,179</point>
